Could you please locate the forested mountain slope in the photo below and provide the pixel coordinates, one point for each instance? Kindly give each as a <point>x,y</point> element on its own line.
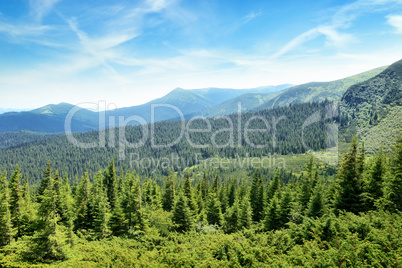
<point>282,137</point>
<point>11,139</point>
<point>374,108</point>
<point>318,91</point>
<point>247,102</point>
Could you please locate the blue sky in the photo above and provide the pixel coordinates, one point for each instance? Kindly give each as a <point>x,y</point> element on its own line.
<point>129,52</point>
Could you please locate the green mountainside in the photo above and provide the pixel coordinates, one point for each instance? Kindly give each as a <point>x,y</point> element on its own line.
<point>318,91</point>
<point>374,108</point>
<point>220,95</point>
<point>11,139</point>
<point>247,102</point>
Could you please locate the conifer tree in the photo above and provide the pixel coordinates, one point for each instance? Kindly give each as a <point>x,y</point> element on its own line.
<point>147,196</point>
<point>6,233</point>
<point>15,202</point>
<point>214,187</point>
<point>257,197</point>
<point>45,182</point>
<point>83,219</point>
<point>118,222</point>
<point>188,193</point>
<point>246,216</point>
<point>213,210</point>
<point>393,188</point>
<point>205,187</point>
<point>27,211</point>
<point>349,194</point>
<point>131,201</point>
<point>110,183</point>
<point>156,197</point>
<point>232,193</point>
<point>66,203</point>
<point>271,221</point>
<point>47,243</point>
<point>223,198</point>
<point>285,207</point>
<point>374,186</point>
<point>305,192</point>
<point>274,186</point>
<point>100,208</point>
<point>316,204</point>
<point>182,215</point>
<point>168,196</point>
<point>232,219</point>
<point>360,159</point>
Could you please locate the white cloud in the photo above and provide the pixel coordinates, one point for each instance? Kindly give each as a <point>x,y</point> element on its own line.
<point>396,22</point>
<point>342,19</point>
<point>250,16</point>
<point>23,29</point>
<point>41,8</point>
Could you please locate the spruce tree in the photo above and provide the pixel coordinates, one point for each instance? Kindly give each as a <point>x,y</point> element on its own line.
<point>271,221</point>
<point>182,215</point>
<point>349,195</point>
<point>232,193</point>
<point>118,222</point>
<point>214,187</point>
<point>15,202</point>
<point>285,207</point>
<point>223,198</point>
<point>101,210</point>
<point>360,159</point>
<point>6,233</point>
<point>131,201</point>
<point>27,211</point>
<point>257,197</point>
<point>188,193</point>
<point>315,207</point>
<point>83,217</point>
<point>232,219</point>
<point>47,243</point>
<point>110,183</point>
<point>393,188</point>
<point>168,196</point>
<point>376,176</point>
<point>213,210</point>
<point>45,182</point>
<point>246,216</point>
<point>274,186</point>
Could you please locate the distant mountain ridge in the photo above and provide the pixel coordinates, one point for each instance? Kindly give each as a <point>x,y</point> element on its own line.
<point>51,118</point>
<point>179,102</point>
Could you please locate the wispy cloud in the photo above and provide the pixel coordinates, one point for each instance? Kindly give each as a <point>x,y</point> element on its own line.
<point>250,16</point>
<point>396,22</point>
<point>342,19</point>
<point>17,30</point>
<point>40,8</point>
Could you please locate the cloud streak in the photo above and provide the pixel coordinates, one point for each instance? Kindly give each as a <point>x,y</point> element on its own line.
<point>40,8</point>
<point>396,22</point>
<point>342,19</point>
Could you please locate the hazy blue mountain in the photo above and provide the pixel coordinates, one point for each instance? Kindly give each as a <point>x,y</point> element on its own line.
<point>48,119</point>
<point>8,110</point>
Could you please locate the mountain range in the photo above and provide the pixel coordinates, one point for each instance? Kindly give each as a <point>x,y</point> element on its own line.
<point>207,102</point>
<point>51,118</point>
<point>372,109</point>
